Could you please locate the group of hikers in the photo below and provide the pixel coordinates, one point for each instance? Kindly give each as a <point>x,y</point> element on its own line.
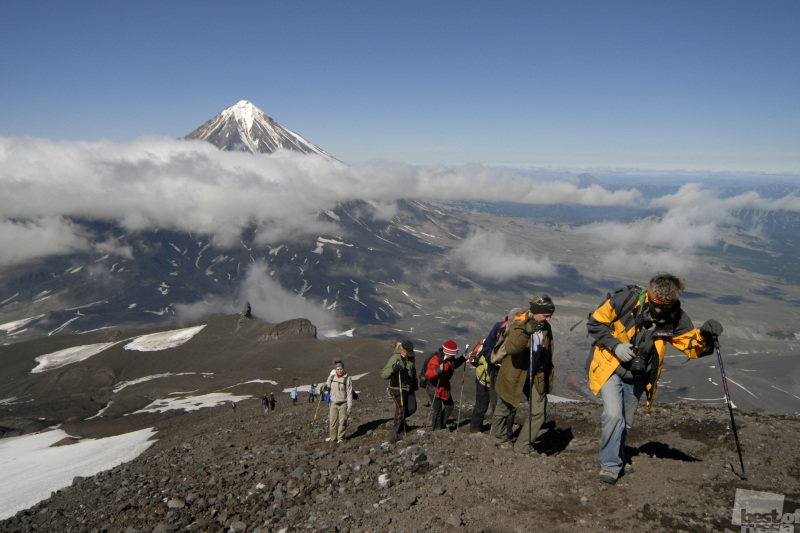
<point>630,329</point>
<point>268,402</point>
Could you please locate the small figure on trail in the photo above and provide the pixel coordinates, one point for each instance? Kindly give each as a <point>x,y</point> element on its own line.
<point>340,388</point>
<point>312,393</point>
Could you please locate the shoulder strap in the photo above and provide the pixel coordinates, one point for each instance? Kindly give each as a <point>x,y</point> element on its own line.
<point>630,302</point>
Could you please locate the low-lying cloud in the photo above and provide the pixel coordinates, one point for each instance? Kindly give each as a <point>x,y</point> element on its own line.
<point>488,255</point>
<point>194,187</point>
<point>268,300</point>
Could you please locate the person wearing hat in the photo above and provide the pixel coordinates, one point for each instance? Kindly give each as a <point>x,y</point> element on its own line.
<point>528,365</point>
<point>631,331</point>
<point>439,371</point>
<point>402,376</point>
<point>340,388</point>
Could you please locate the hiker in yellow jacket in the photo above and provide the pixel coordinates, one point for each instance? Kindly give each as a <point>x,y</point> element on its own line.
<point>631,331</point>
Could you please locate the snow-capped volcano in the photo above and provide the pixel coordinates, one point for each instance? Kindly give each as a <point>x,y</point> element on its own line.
<point>244,127</point>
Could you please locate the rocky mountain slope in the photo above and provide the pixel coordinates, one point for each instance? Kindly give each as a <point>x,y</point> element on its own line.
<point>224,469</point>
<point>220,469</point>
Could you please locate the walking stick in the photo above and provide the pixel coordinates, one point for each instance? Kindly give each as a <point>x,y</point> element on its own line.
<point>402,405</point>
<point>316,410</point>
<point>530,394</point>
<point>743,475</point>
<point>461,400</point>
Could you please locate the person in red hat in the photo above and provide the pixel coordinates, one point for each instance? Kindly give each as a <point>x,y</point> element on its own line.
<point>440,369</point>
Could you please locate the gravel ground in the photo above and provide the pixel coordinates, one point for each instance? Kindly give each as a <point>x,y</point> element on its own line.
<point>217,469</point>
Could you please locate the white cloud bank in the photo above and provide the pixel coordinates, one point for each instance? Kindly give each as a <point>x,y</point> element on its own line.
<point>192,186</point>
<point>488,255</point>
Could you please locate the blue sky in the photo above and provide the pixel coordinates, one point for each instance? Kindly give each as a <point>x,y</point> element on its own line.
<point>707,85</point>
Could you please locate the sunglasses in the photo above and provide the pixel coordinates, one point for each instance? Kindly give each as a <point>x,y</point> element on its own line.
<point>547,300</point>
<point>658,301</point>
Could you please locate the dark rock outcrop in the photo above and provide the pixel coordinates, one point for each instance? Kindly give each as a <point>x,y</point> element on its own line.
<point>297,327</point>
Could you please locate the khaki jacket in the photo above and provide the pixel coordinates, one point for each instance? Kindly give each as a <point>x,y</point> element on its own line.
<point>512,379</point>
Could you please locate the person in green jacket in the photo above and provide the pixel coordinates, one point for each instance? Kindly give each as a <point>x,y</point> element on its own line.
<point>402,375</point>
<point>528,341</point>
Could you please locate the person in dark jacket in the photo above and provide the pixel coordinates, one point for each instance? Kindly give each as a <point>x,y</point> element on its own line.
<point>486,377</point>
<point>440,370</point>
<point>631,331</point>
<point>402,375</point>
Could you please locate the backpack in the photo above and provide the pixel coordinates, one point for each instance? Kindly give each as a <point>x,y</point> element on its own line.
<point>473,357</point>
<point>499,350</point>
<point>627,307</point>
<point>423,381</point>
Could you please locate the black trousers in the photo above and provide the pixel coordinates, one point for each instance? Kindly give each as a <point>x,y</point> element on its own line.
<point>405,406</point>
<point>441,412</point>
<point>482,398</point>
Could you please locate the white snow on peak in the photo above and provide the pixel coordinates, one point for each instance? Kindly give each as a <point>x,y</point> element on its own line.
<point>164,340</point>
<point>246,113</point>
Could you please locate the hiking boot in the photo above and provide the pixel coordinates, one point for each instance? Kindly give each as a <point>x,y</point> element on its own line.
<point>504,446</point>
<point>329,439</point>
<point>628,469</point>
<point>607,476</point>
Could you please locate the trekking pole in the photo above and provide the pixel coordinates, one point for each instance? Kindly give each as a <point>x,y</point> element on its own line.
<point>316,410</point>
<point>743,475</point>
<point>530,395</point>
<point>461,400</point>
<point>402,405</point>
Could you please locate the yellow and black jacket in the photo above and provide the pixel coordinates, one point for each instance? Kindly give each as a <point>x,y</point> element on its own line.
<point>609,329</point>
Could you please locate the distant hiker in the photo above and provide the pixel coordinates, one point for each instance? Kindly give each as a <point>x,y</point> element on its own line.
<point>265,403</point>
<point>340,388</point>
<point>631,331</point>
<point>271,401</point>
<point>233,406</point>
<point>402,376</point>
<point>440,370</point>
<point>527,370</point>
<point>486,376</point>
<point>312,393</point>
<point>293,396</point>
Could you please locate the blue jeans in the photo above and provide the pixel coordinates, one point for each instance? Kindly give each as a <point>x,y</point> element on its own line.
<point>620,400</point>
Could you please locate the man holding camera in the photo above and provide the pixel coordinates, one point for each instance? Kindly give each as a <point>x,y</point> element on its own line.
<point>631,331</point>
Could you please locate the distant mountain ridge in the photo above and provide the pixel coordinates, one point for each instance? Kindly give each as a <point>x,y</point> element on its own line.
<point>245,128</point>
